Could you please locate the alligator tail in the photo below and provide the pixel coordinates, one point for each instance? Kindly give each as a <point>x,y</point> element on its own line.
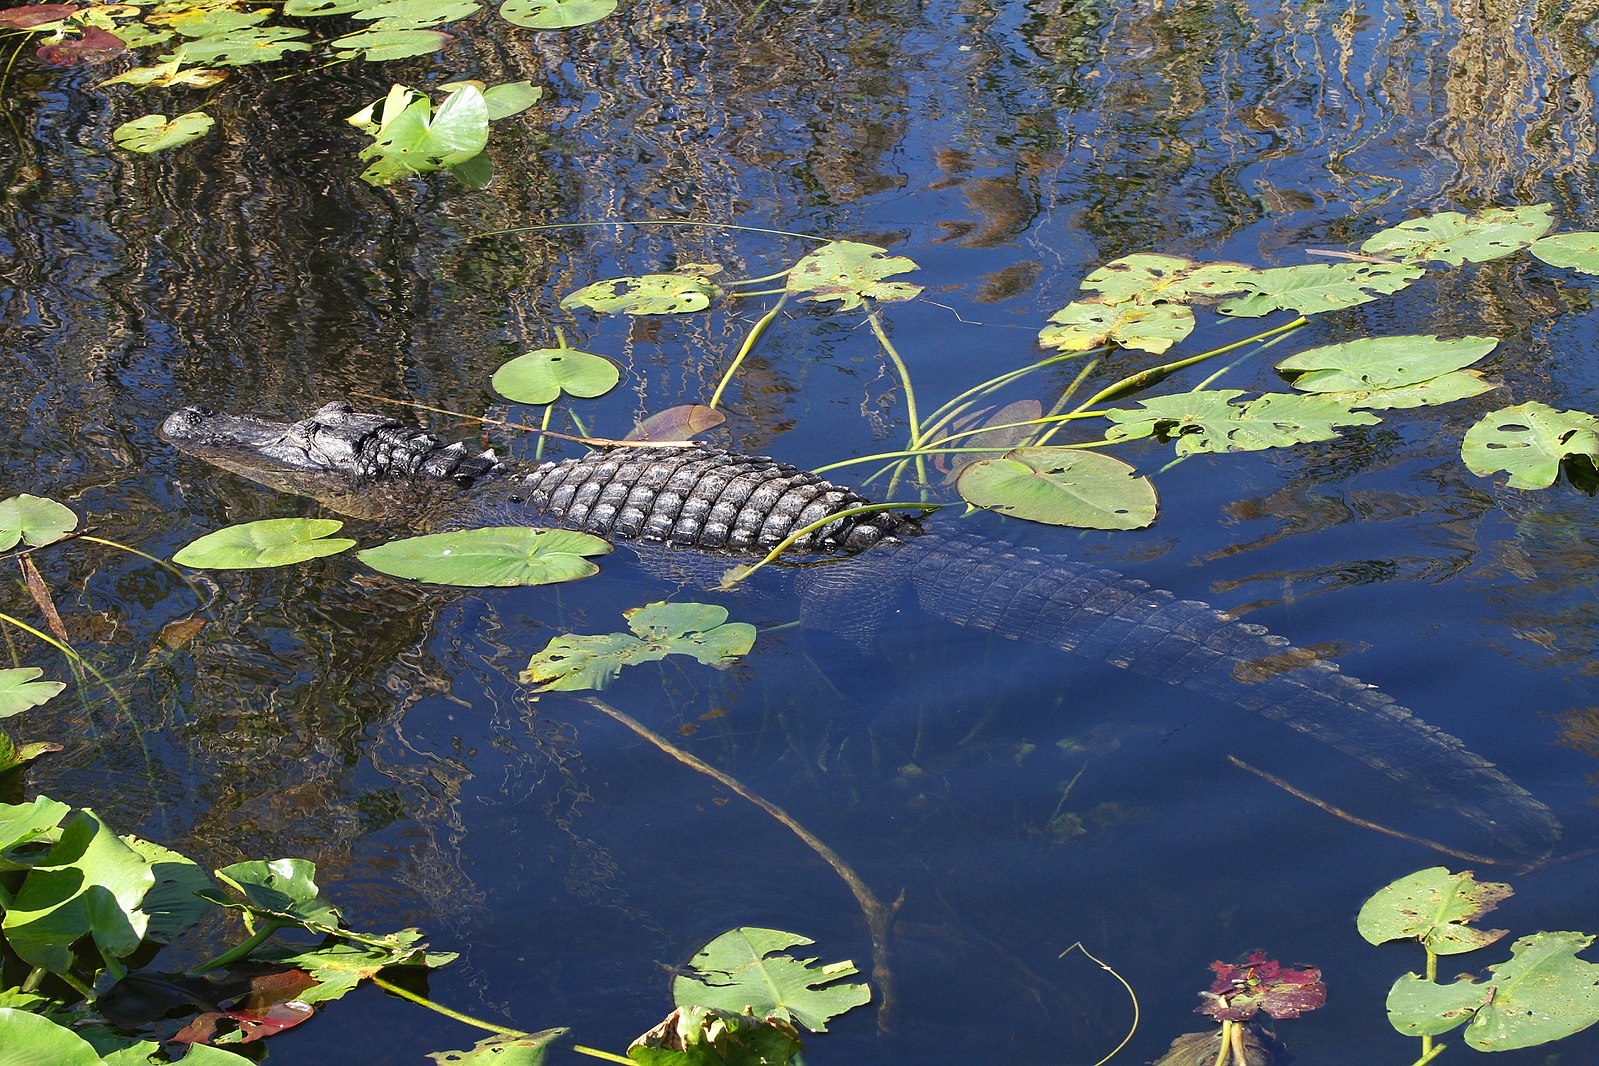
<point>1044,599</point>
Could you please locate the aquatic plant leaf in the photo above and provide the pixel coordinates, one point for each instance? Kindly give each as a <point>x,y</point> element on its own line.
<point>1061,487</point>
<point>526,1050</point>
<point>35,16</point>
<point>1454,238</point>
<point>93,47</point>
<point>1574,251</point>
<point>738,972</point>
<point>1381,362</point>
<point>89,884</point>
<point>172,905</point>
<point>271,542</point>
<point>541,376</point>
<point>34,520</point>
<point>19,690</point>
<point>1445,388</point>
<point>1529,441</point>
<point>573,662</point>
<point>28,1039</point>
<point>1209,422</point>
<point>169,74</point>
<point>1261,984</point>
<point>849,272</point>
<point>282,889</point>
<point>1085,324</point>
<point>154,133</point>
<point>417,14</point>
<point>510,98</point>
<point>705,1036</point>
<point>304,8</point>
<point>1433,907</point>
<point>210,21</point>
<point>24,822</point>
<point>1419,1007</point>
<point>1544,992</point>
<point>647,294</point>
<point>260,44</point>
<point>1317,287</point>
<point>1151,279</point>
<point>408,141</point>
<point>339,967</point>
<point>555,14</point>
<point>13,755</point>
<point>493,556</point>
<point>677,423</point>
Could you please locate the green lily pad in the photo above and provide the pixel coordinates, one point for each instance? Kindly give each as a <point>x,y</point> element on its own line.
<point>1445,388</point>
<point>1209,422</point>
<point>528,1050</point>
<point>1085,324</point>
<point>281,889</point>
<point>28,1039</point>
<point>1529,441</point>
<point>172,904</point>
<point>89,884</point>
<point>739,972</point>
<point>511,98</point>
<point>417,14</point>
<point>155,133</point>
<point>383,45</point>
<point>491,556</point>
<point>572,662</point>
<point>647,294</point>
<point>1418,1007</point>
<point>1318,287</point>
<point>21,823</point>
<point>1574,251</point>
<point>34,520</point>
<point>555,14</point>
<point>211,22</point>
<point>1454,238</point>
<point>1151,279</point>
<point>1381,362</point>
<point>305,8</point>
<point>272,542</point>
<point>849,272</point>
<point>1061,486</point>
<point>1433,907</point>
<point>19,690</point>
<point>541,376</point>
<point>258,44</point>
<point>1544,992</point>
<point>339,967</point>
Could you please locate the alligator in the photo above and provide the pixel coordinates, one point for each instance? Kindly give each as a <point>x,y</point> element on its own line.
<point>714,501</point>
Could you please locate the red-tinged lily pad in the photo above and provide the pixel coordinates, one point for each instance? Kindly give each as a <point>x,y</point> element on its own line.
<point>26,18</point>
<point>95,46</point>
<point>272,1006</point>
<point>677,423</point>
<point>1261,984</point>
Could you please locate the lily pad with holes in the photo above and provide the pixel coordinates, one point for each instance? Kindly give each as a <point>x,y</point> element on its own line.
<point>305,8</point>
<point>385,44</point>
<point>849,272</point>
<point>20,689</point>
<point>1574,251</point>
<point>647,294</point>
<point>1529,441</point>
<point>1317,287</point>
<point>555,14</point>
<point>155,133</point>
<point>271,542</point>
<point>1445,388</point>
<point>1209,421</point>
<point>701,630</point>
<point>257,44</point>
<point>1434,907</point>
<point>416,14</point>
<point>1151,279</point>
<point>1061,487</point>
<point>165,75</point>
<point>34,520</point>
<point>493,556</point>
<point>541,376</point>
<point>1085,324</point>
<point>1381,362</point>
<point>1455,238</point>
<point>749,971</point>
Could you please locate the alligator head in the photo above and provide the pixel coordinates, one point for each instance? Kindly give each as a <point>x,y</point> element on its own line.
<point>359,464</point>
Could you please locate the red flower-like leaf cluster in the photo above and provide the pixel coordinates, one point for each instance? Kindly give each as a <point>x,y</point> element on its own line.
<point>1261,984</point>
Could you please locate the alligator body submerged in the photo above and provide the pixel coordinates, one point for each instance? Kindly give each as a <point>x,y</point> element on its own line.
<point>715,501</point>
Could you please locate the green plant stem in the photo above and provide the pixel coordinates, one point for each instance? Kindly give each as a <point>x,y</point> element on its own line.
<point>1428,1051</point>
<point>911,418</point>
<point>243,948</point>
<point>744,349</point>
<point>739,573</point>
<point>903,454</point>
<point>544,427</point>
<point>448,1012</point>
<point>1428,1056</point>
<point>78,660</point>
<point>598,1054</point>
<point>964,401</point>
<point>756,281</point>
<point>1225,1052</point>
<point>1065,398</point>
<point>1241,359</point>
<point>758,292</point>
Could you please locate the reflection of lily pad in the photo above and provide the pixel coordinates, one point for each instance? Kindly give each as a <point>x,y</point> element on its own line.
<point>1382,362</point>
<point>1433,906</point>
<point>20,689</point>
<point>1455,238</point>
<point>541,376</point>
<point>492,556</point>
<point>647,294</point>
<point>34,520</point>
<point>701,630</point>
<point>850,271</point>
<point>273,542</point>
<point>1209,421</point>
<point>1529,441</point>
<point>1318,287</point>
<point>153,133</point>
<point>555,14</point>
<point>1061,486</point>
<point>1085,324</point>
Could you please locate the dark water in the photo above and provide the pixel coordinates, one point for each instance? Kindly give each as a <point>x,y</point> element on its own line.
<point>1008,149</point>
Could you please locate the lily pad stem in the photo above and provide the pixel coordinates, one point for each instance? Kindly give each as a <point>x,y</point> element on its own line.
<point>745,349</point>
<point>423,1001</point>
<point>243,948</point>
<point>598,1054</point>
<point>910,391</point>
<point>739,573</point>
<point>1428,1056</point>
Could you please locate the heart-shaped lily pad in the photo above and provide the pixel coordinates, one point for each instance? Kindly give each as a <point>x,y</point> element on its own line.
<point>272,542</point>
<point>492,556</point>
